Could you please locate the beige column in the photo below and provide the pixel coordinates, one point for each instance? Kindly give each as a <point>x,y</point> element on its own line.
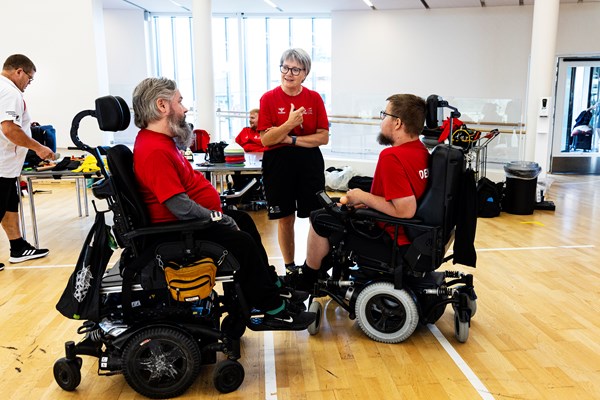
<point>203,67</point>
<point>542,69</point>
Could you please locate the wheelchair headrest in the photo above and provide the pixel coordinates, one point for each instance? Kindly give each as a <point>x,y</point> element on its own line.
<point>112,113</point>
<point>432,114</point>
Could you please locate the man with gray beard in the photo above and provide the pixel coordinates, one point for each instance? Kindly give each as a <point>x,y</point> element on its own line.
<point>172,191</point>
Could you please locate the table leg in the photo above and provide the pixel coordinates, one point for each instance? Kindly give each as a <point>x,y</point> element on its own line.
<point>22,214</point>
<point>33,216</point>
<point>77,189</point>
<point>85,198</point>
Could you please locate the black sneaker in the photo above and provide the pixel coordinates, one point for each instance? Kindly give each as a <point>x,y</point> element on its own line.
<point>287,320</point>
<point>1,267</point>
<point>293,296</point>
<point>27,253</point>
<point>291,268</point>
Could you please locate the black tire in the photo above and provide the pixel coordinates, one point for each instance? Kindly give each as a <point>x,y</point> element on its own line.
<point>67,373</point>
<point>315,326</point>
<point>228,376</point>
<point>461,329</point>
<point>386,314</point>
<point>472,306</point>
<point>161,362</point>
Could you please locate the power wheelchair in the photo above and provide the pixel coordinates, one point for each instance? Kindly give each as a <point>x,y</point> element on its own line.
<point>130,322</point>
<point>390,292</point>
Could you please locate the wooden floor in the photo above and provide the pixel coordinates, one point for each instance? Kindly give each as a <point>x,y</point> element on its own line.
<point>536,334</point>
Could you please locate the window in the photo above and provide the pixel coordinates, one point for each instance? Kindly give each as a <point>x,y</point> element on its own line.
<point>246,54</point>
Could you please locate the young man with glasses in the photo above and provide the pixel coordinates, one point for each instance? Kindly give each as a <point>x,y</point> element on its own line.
<point>293,124</point>
<point>399,182</point>
<point>15,139</point>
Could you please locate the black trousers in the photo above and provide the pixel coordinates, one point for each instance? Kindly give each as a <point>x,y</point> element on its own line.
<point>255,276</point>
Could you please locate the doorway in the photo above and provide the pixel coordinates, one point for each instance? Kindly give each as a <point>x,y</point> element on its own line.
<point>576,130</point>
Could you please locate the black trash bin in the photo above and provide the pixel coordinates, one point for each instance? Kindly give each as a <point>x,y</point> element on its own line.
<point>521,184</point>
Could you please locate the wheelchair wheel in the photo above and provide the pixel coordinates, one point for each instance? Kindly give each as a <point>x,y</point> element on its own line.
<point>161,362</point>
<point>67,373</point>
<point>461,329</point>
<point>317,308</point>
<point>228,376</point>
<point>472,306</point>
<point>386,314</point>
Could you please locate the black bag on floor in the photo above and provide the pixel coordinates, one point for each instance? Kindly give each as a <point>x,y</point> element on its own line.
<point>81,297</point>
<point>489,198</point>
<point>360,182</point>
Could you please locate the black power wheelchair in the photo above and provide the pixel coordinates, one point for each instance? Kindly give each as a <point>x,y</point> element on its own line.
<point>390,292</point>
<point>131,324</point>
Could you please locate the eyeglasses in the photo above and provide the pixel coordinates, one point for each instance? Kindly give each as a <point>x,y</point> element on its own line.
<point>30,77</point>
<point>295,71</point>
<point>383,114</point>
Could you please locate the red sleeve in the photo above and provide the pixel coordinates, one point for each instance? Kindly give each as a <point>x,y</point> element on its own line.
<point>265,118</point>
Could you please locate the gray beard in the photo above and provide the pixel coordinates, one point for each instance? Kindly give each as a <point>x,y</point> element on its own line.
<point>383,140</point>
<point>182,132</point>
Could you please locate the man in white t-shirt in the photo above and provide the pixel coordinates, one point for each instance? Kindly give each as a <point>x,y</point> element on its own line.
<point>15,139</point>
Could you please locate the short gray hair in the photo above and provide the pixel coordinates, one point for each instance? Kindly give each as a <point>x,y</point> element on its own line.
<point>298,55</point>
<point>145,109</point>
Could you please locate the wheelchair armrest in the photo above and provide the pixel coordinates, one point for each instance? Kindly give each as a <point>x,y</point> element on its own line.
<point>367,213</point>
<point>169,227</point>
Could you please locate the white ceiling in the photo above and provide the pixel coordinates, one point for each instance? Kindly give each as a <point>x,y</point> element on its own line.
<point>309,6</point>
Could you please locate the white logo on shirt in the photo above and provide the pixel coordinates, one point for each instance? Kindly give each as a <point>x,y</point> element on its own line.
<point>14,115</point>
<point>281,110</point>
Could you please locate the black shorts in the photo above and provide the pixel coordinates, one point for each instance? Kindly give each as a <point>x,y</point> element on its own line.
<point>292,176</point>
<point>9,196</point>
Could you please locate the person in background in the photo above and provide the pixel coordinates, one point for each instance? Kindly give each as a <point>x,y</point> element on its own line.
<point>399,181</point>
<point>293,124</point>
<point>172,191</point>
<point>17,74</point>
<point>249,137</point>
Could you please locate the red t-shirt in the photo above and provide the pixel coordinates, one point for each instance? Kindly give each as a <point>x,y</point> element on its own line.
<point>401,171</point>
<point>275,109</point>
<point>250,141</point>
<point>162,172</point>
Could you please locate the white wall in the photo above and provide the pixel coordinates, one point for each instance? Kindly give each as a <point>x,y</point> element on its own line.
<point>578,29</point>
<point>468,52</point>
<point>60,37</point>
<point>127,56</point>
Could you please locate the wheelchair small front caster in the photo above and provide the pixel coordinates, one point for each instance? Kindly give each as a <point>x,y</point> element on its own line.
<point>461,329</point>
<point>317,308</point>
<point>67,373</point>
<point>472,306</point>
<point>228,376</point>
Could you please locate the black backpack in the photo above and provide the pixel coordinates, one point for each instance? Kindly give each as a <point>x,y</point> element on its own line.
<point>489,198</point>
<point>81,297</point>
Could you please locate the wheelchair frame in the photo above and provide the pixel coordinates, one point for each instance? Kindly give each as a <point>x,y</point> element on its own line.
<point>159,347</point>
<point>390,297</point>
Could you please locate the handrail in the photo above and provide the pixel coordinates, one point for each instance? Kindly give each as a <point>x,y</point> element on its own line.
<point>357,120</point>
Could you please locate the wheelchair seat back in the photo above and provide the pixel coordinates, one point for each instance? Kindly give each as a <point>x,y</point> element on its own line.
<point>132,213</point>
<point>437,210</point>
